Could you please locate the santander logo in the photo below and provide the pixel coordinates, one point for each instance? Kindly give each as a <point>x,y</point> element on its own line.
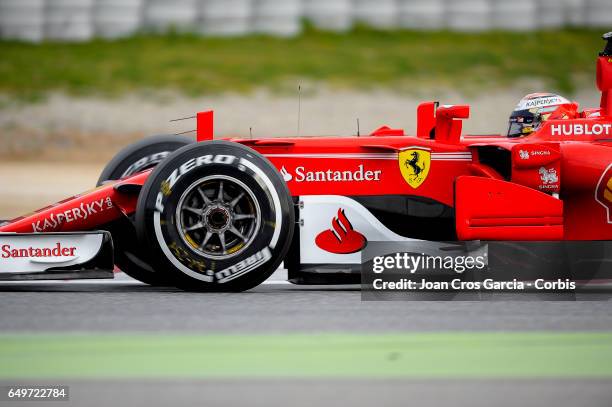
<point>360,174</point>
<point>58,252</point>
<point>341,238</point>
<point>286,176</point>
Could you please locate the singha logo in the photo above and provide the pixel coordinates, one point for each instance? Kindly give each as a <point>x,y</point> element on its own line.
<point>524,154</point>
<point>548,176</point>
<point>341,238</point>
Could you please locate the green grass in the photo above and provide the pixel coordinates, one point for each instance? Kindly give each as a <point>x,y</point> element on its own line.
<point>418,355</point>
<point>363,58</point>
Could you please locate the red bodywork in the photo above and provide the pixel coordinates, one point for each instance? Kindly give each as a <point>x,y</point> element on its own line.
<point>558,185</point>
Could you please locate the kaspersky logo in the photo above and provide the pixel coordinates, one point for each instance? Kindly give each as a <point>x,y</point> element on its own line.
<point>341,238</point>
<point>603,192</point>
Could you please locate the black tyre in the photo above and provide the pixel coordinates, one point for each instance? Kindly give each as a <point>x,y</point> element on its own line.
<point>217,216</point>
<point>141,155</point>
<point>137,157</point>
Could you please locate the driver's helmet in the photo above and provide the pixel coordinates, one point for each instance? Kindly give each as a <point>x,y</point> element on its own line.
<point>533,110</point>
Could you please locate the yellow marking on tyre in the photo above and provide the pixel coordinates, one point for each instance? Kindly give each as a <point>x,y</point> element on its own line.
<point>235,249</point>
<point>165,188</point>
<point>191,242</point>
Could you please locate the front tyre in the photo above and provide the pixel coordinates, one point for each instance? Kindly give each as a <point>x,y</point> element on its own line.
<point>217,216</point>
<point>142,155</point>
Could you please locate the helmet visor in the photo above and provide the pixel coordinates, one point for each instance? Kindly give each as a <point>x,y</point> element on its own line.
<point>522,123</point>
<point>515,129</point>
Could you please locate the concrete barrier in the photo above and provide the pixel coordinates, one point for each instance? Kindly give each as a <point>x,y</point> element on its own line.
<point>551,14</point>
<point>574,13</point>
<point>469,15</point>
<point>599,13</point>
<point>514,15</point>
<point>164,15</point>
<point>332,15</point>
<point>22,20</point>
<point>422,14</point>
<point>79,20</point>
<point>377,14</point>
<point>69,20</point>
<point>225,17</point>
<point>117,18</point>
<point>277,17</point>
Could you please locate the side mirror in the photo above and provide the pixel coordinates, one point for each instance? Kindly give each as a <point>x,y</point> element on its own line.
<point>453,111</point>
<point>448,122</point>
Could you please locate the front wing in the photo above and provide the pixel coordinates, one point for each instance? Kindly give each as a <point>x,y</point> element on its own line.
<point>56,256</point>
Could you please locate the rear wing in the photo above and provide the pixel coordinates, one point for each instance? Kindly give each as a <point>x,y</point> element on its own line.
<point>604,76</point>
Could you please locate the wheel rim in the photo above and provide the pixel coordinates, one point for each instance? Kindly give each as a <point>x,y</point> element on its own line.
<point>218,216</point>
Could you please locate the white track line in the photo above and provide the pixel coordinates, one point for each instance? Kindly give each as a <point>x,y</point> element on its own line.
<point>124,279</point>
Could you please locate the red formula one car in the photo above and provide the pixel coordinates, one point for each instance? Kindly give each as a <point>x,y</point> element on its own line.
<point>223,214</point>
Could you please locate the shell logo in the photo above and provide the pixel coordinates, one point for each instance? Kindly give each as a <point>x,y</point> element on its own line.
<point>607,193</point>
<point>603,192</point>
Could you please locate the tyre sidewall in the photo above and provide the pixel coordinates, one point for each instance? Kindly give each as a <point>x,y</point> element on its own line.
<point>141,155</point>
<point>130,160</point>
<point>157,224</point>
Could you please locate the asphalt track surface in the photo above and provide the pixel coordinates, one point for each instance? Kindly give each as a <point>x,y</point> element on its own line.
<point>124,306</point>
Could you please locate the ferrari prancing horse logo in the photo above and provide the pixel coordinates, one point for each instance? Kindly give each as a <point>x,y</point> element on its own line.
<point>414,166</point>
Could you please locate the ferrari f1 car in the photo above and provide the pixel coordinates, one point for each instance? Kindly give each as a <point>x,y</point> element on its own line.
<point>219,215</point>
